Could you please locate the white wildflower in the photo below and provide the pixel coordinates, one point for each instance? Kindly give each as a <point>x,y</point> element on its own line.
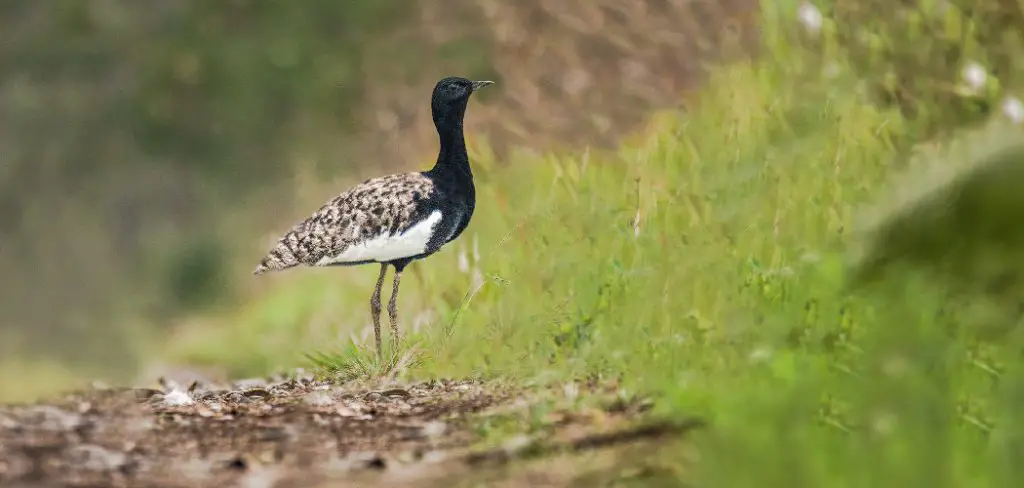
<point>761,354</point>
<point>571,391</point>
<point>810,17</point>
<point>1013,108</point>
<point>463,261</point>
<point>975,76</point>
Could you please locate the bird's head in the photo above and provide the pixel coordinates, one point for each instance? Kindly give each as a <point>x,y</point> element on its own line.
<point>450,97</point>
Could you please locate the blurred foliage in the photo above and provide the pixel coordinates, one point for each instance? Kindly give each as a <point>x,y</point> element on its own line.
<point>196,274</point>
<point>586,72</point>
<point>124,123</point>
<point>196,85</point>
<point>919,54</point>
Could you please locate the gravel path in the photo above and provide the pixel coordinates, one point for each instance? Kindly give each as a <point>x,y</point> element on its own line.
<point>300,432</point>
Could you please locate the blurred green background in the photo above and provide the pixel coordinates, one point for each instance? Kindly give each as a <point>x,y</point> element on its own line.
<point>799,220</point>
<point>152,148</point>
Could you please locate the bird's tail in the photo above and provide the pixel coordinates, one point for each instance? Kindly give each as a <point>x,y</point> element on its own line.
<point>279,258</point>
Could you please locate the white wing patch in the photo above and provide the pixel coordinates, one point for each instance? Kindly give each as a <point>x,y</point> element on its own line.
<point>387,247</point>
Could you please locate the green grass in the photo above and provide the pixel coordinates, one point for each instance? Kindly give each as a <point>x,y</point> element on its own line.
<point>705,264</point>
<point>356,362</point>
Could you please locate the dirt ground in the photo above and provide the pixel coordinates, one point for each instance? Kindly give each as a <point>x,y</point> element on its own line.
<point>309,433</point>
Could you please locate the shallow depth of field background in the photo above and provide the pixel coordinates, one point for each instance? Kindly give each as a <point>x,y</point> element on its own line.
<point>797,220</point>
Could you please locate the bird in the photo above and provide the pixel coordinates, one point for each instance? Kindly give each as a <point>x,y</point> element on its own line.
<point>396,219</point>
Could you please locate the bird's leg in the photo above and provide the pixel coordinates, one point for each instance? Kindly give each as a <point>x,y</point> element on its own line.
<point>393,308</point>
<point>375,307</point>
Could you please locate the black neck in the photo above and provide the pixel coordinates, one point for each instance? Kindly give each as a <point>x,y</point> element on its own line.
<point>452,159</point>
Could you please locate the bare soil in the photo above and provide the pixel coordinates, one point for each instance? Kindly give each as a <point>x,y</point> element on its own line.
<point>305,432</point>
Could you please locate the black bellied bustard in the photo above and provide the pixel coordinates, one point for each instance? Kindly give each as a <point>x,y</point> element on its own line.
<point>396,219</point>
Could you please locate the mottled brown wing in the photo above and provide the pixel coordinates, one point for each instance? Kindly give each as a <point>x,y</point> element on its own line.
<point>385,205</point>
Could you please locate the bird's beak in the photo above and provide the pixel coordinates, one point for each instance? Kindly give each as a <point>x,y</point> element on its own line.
<point>480,84</point>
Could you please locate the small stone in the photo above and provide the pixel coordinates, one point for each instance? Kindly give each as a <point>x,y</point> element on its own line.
<point>205,411</point>
<point>7,423</point>
<point>96,458</point>
<point>57,419</point>
<point>318,399</point>
<point>396,392</point>
<point>256,392</point>
<point>178,398</point>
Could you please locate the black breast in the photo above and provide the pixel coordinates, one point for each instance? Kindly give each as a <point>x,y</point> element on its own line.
<point>456,211</point>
